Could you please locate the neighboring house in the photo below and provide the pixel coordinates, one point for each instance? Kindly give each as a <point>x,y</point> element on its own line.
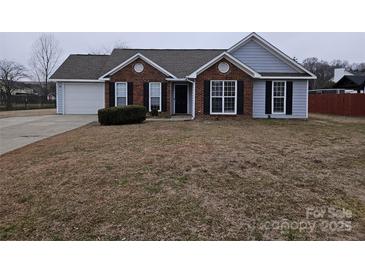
<point>33,88</point>
<point>252,78</point>
<point>343,82</point>
<point>339,73</point>
<point>23,91</point>
<point>354,83</point>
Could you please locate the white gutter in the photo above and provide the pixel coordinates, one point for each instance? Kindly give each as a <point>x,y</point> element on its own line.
<point>79,80</point>
<point>193,110</point>
<point>176,79</point>
<point>307,102</point>
<point>287,77</point>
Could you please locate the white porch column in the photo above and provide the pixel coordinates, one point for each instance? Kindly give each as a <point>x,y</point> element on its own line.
<point>193,110</point>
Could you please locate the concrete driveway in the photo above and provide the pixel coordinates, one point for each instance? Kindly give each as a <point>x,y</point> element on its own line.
<point>16,132</point>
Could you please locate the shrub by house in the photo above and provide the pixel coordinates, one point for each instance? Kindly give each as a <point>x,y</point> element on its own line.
<point>122,115</point>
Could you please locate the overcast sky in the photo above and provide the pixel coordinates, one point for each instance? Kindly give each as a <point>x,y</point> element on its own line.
<point>326,46</point>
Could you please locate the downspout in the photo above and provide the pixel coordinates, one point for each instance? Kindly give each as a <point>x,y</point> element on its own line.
<point>63,98</point>
<point>307,105</point>
<point>193,99</point>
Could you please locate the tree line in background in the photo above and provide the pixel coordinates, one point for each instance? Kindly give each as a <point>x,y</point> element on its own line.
<point>42,63</point>
<point>324,70</point>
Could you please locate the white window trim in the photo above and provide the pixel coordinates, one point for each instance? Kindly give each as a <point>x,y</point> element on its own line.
<point>149,95</point>
<point>235,99</point>
<point>140,65</point>
<point>223,63</point>
<point>272,97</point>
<point>115,91</point>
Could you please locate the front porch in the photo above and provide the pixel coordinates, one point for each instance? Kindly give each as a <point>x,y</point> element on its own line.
<point>181,99</point>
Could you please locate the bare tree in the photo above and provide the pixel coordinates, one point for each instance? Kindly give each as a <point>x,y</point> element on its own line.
<point>10,73</point>
<point>103,50</point>
<point>358,68</point>
<point>120,45</point>
<point>323,70</point>
<point>45,56</point>
<point>340,64</point>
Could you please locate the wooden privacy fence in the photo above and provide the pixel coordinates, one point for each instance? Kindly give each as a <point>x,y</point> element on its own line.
<point>338,104</point>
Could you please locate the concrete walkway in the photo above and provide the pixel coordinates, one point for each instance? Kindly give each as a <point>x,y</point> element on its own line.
<point>173,118</point>
<point>16,132</point>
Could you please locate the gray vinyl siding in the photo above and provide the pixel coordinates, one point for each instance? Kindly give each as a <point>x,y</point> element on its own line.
<point>260,59</point>
<point>300,100</point>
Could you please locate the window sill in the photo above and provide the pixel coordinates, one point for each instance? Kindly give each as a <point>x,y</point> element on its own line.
<point>213,113</point>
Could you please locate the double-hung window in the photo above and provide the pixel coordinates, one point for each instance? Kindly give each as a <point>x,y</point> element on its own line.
<point>223,96</point>
<point>121,94</point>
<point>278,97</point>
<point>155,96</point>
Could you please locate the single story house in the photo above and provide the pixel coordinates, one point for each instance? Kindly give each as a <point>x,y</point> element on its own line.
<point>356,83</point>
<point>252,78</point>
<point>338,73</point>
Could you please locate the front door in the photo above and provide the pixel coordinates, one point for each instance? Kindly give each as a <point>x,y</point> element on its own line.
<point>181,99</point>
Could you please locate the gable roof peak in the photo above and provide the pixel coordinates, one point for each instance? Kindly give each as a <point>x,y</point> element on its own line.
<point>274,50</point>
<point>136,56</point>
<point>230,58</point>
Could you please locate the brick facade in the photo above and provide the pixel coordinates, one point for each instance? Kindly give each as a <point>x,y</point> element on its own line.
<point>149,74</point>
<point>213,73</point>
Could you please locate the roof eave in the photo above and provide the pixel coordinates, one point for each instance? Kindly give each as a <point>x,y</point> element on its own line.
<point>133,58</point>
<point>176,79</point>
<point>232,59</point>
<point>289,77</point>
<point>80,80</point>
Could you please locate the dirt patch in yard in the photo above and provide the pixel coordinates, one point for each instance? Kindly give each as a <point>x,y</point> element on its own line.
<point>196,180</point>
<point>338,118</point>
<point>30,112</point>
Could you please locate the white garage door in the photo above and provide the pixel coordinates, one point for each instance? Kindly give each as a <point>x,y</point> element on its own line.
<point>83,98</point>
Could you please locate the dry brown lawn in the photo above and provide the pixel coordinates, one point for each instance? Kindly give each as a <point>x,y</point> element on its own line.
<point>196,180</point>
<point>29,112</point>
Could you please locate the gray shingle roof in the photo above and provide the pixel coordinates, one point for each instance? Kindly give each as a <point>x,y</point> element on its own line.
<point>179,62</point>
<point>351,81</point>
<point>357,79</point>
<point>78,66</point>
